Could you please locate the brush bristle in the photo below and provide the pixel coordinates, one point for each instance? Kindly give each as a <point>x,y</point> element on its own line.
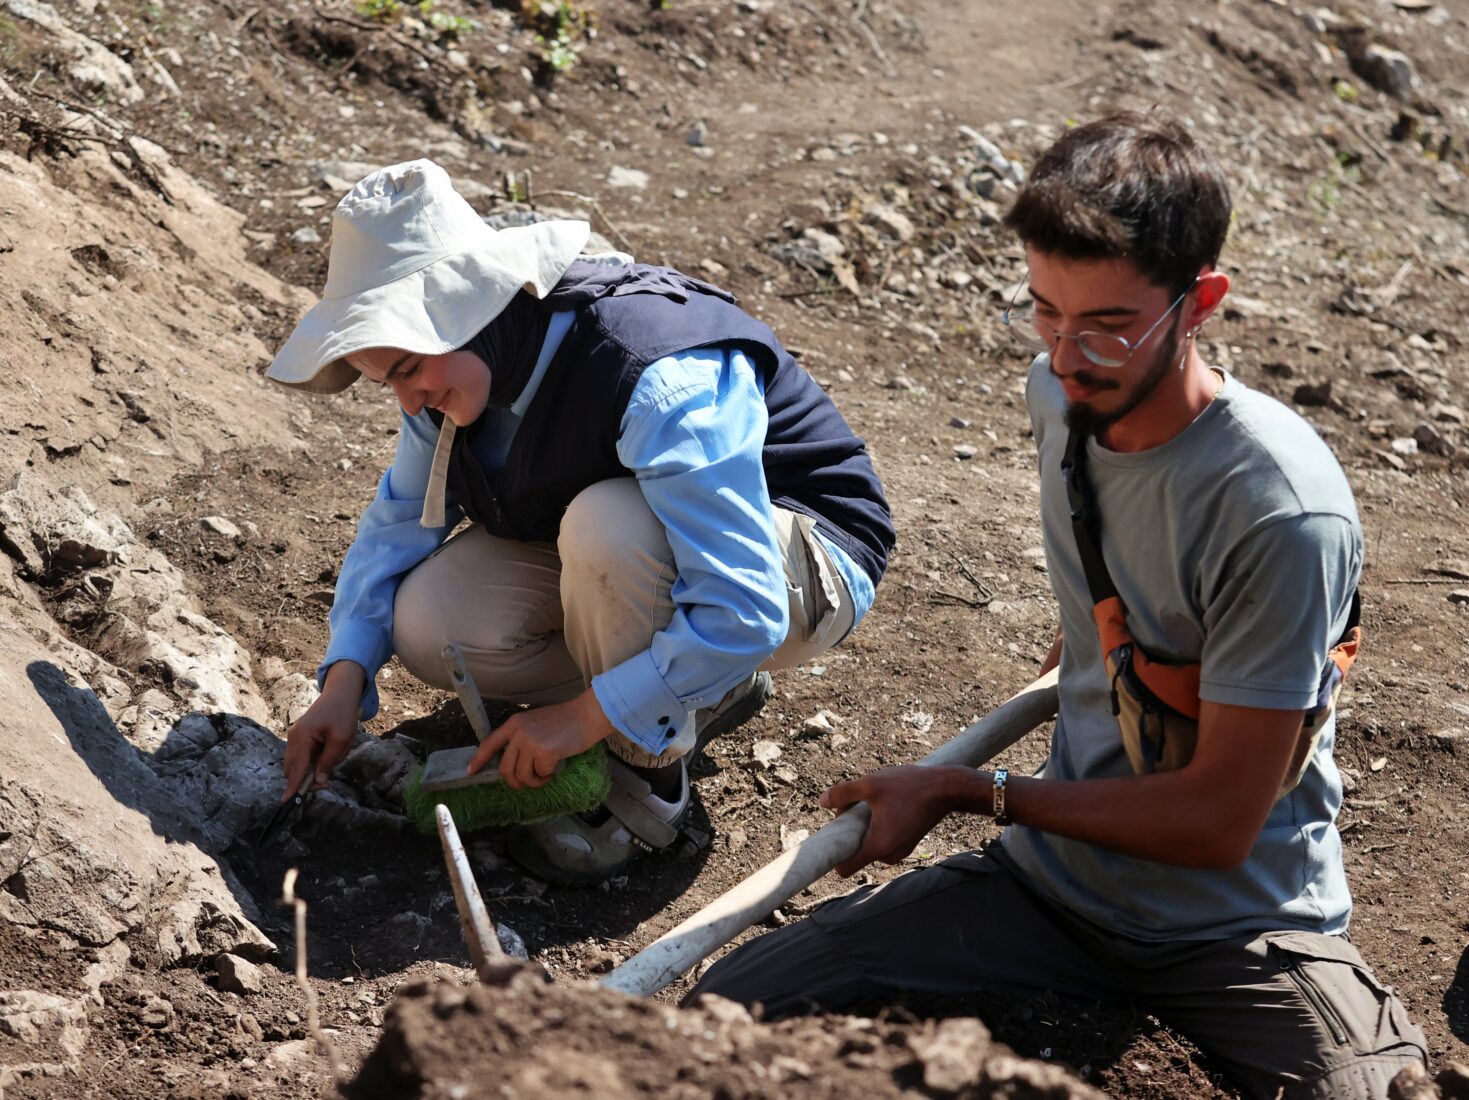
<point>580,785</point>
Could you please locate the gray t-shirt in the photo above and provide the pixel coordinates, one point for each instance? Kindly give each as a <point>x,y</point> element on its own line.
<point>1235,544</point>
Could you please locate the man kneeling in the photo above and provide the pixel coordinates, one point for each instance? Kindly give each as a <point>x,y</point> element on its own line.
<point>1179,849</point>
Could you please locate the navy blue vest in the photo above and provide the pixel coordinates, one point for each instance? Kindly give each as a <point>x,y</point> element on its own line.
<point>567,441</point>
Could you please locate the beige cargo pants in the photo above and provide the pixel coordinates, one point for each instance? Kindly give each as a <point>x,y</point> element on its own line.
<point>1291,1015</point>
<point>537,621</point>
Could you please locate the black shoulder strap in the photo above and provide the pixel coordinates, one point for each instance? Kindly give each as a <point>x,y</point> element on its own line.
<point>1085,518</point>
<point>1354,616</point>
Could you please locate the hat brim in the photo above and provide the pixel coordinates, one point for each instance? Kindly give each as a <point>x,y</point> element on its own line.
<point>430,311</point>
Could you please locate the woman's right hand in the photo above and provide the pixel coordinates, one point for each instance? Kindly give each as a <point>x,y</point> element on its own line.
<point>324,735</point>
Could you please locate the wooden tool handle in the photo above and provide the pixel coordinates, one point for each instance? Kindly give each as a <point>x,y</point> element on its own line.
<point>485,952</point>
<point>469,697</point>
<point>782,878</point>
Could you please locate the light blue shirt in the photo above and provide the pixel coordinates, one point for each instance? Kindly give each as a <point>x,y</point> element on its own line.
<point>692,435</point>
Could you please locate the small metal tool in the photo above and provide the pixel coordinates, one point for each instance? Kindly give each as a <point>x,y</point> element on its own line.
<point>445,770</point>
<point>284,811</point>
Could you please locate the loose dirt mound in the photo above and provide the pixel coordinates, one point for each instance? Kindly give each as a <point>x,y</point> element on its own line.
<point>531,1039</point>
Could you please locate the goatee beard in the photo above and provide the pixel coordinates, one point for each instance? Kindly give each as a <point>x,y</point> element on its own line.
<point>1083,418</point>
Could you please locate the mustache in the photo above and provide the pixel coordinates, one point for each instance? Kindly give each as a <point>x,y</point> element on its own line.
<point>1095,381</point>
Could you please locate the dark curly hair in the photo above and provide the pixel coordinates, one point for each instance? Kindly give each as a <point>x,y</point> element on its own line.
<point>1129,185</point>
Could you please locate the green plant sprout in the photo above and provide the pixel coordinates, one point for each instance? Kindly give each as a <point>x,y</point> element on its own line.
<point>562,25</point>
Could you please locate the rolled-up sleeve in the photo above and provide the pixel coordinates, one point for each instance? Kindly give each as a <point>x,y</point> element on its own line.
<point>693,435</point>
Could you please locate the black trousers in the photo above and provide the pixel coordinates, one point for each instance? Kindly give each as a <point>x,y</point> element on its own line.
<point>1291,1014</point>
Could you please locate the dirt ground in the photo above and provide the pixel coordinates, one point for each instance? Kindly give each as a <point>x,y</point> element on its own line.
<point>810,157</point>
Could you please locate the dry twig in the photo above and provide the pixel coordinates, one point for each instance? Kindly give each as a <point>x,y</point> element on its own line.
<point>596,209</point>
<point>861,25</point>
<point>379,29</point>
<point>313,1016</point>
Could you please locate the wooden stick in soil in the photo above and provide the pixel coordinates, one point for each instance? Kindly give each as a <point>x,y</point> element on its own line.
<point>754,899</point>
<point>313,1014</point>
<point>489,958</point>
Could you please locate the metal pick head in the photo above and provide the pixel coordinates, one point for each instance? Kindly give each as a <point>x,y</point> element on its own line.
<point>284,811</point>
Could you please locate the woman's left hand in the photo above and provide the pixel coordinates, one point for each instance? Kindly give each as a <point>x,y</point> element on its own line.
<point>535,741</point>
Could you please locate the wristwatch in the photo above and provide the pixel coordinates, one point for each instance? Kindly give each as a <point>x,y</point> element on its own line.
<point>1002,776</point>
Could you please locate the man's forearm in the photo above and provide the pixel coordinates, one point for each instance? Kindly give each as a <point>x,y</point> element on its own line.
<point>1162,817</point>
<point>1053,658</point>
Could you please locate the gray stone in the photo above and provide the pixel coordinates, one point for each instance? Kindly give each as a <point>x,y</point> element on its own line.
<point>828,245</point>
<point>57,1025</point>
<point>1389,71</point>
<point>1453,568</point>
<point>337,170</point>
<point>220,526</point>
<point>988,152</point>
<point>890,222</point>
<point>1433,441</point>
<point>306,235</point>
<point>293,1055</point>
<point>1313,394</point>
<point>380,768</point>
<point>47,529</point>
<point>93,64</point>
<point>633,178</point>
<point>984,184</point>
<point>291,695</point>
<point>512,942</point>
<point>952,1054</point>
<point>698,135</point>
<point>237,975</point>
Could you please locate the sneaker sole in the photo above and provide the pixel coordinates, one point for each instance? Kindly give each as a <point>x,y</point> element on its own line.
<point>521,848</point>
<point>530,856</point>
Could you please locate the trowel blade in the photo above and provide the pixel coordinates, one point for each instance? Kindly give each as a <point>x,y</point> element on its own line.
<point>444,770</point>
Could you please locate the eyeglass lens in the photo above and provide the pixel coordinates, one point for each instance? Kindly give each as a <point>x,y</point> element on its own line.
<point>1028,330</point>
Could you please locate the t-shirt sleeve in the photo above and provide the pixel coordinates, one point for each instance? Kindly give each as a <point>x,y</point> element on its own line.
<point>1281,606</point>
<point>1037,417</point>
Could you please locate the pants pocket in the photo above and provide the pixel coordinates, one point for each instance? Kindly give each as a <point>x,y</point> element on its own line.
<point>1355,1010</point>
<point>821,594</point>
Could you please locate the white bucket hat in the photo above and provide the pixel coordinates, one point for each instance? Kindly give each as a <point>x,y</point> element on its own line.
<point>413,266</point>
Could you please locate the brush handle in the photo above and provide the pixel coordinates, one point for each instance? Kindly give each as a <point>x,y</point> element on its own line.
<point>469,697</point>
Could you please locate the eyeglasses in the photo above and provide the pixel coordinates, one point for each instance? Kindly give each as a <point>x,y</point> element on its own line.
<point>1105,349</point>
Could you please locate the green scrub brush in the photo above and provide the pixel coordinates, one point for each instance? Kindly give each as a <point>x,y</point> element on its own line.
<point>481,801</point>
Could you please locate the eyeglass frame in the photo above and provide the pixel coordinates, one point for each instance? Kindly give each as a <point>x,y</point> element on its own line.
<point>1131,346</point>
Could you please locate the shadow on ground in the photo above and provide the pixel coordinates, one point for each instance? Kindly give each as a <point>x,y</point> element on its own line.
<point>1456,999</point>
<point>379,898</point>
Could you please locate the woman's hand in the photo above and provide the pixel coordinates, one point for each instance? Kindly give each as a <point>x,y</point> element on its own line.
<point>322,736</point>
<point>906,802</point>
<point>535,741</point>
